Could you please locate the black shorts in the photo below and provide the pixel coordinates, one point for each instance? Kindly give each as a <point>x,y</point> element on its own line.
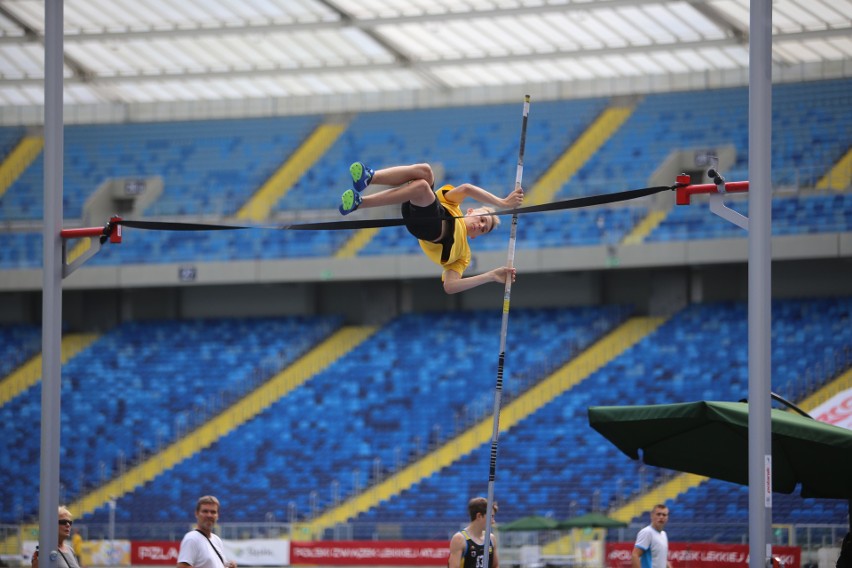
<point>431,226</point>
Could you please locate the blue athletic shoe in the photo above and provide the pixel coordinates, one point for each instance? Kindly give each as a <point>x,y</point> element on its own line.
<point>349,201</point>
<point>361,176</point>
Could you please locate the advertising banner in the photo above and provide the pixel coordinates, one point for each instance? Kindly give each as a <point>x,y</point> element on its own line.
<point>259,552</point>
<point>106,553</point>
<point>154,552</point>
<point>837,410</point>
<point>253,552</point>
<point>371,553</point>
<point>703,555</point>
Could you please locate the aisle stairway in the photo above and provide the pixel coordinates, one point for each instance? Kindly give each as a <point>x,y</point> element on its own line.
<point>358,241</point>
<point>607,123</point>
<point>277,186</point>
<point>644,227</point>
<point>839,177</point>
<point>18,160</point>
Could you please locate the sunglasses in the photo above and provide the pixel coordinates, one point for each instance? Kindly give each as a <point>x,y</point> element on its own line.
<point>66,522</point>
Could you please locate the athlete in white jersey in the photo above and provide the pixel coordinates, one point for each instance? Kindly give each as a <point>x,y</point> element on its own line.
<point>652,544</point>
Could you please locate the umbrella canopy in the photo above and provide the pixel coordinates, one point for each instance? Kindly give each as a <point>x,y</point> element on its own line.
<point>593,520</point>
<point>711,438</point>
<point>532,523</point>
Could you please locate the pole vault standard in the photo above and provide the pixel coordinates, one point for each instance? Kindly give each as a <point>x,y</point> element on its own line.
<point>97,237</point>
<point>504,327</point>
<point>51,317</point>
<point>760,283</point>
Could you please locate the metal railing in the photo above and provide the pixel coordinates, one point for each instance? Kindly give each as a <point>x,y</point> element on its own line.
<point>809,537</point>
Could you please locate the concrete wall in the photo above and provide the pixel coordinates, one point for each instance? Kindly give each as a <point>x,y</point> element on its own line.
<point>656,278</point>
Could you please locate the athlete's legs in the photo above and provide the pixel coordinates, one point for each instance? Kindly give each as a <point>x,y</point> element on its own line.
<point>418,192</point>
<point>398,175</point>
<point>411,183</point>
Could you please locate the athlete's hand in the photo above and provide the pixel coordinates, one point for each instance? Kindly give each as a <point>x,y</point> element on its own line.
<point>499,274</point>
<point>514,199</point>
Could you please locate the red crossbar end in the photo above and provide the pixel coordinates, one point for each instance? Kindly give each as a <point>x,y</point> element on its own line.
<point>736,186</point>
<point>112,229</point>
<point>685,192</point>
<point>115,234</point>
<point>683,181</point>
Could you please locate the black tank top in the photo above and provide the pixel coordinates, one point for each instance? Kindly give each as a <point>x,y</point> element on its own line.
<point>474,554</point>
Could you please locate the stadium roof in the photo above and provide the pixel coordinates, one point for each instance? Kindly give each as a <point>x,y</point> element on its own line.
<point>344,54</point>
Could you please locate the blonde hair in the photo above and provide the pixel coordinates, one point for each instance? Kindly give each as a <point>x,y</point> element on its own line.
<point>64,511</point>
<point>495,220</point>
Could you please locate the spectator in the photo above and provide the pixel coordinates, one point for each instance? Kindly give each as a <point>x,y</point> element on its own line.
<point>67,558</point>
<point>194,551</point>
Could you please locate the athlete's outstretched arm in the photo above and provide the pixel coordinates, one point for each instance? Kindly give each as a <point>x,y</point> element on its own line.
<point>454,283</point>
<point>459,193</point>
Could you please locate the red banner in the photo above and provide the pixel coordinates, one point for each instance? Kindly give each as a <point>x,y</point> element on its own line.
<point>154,552</point>
<point>704,555</point>
<point>371,553</point>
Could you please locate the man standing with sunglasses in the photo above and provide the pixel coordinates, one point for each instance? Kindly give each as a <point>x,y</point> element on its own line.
<point>66,559</point>
<point>200,548</point>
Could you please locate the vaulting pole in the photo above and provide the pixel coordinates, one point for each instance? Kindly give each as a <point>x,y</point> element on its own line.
<point>507,294</point>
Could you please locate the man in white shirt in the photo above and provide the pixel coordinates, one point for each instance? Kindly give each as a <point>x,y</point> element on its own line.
<point>652,544</point>
<point>200,548</point>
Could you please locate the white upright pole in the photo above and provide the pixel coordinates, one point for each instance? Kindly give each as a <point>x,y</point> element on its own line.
<point>51,318</point>
<point>760,283</point>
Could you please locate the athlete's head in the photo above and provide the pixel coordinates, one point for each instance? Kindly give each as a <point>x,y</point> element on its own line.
<point>478,506</point>
<point>481,221</point>
<point>659,516</point>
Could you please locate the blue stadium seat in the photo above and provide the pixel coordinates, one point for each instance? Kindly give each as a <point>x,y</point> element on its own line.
<point>18,343</point>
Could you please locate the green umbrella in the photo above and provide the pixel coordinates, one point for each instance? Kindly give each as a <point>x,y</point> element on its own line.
<point>532,523</point>
<point>711,439</point>
<point>592,520</point>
